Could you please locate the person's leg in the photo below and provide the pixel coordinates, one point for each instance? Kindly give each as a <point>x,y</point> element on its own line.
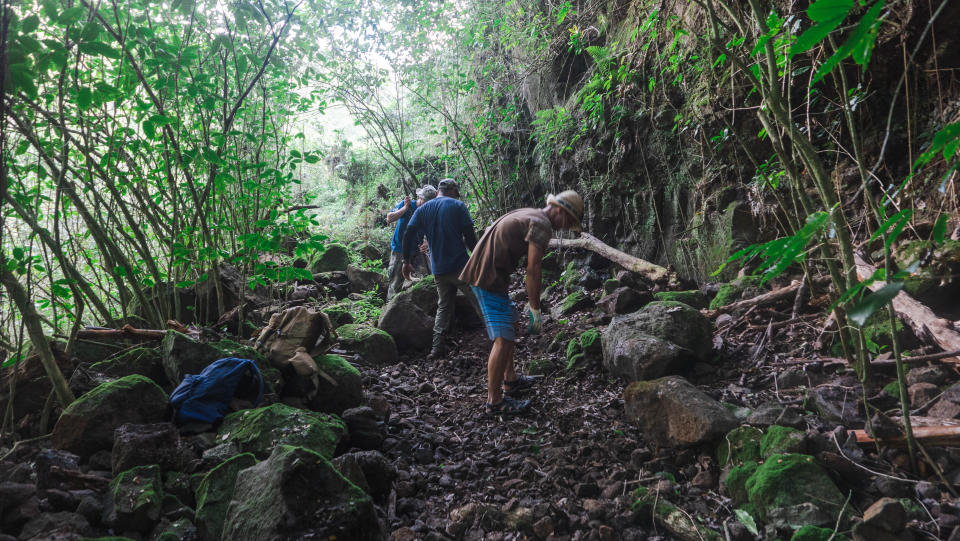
<point>446,293</point>
<point>501,357</point>
<point>394,274</point>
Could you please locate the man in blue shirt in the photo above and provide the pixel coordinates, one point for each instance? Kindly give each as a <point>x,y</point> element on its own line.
<point>447,224</point>
<point>401,214</point>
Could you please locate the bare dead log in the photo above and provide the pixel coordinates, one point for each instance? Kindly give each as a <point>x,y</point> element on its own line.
<point>763,299</point>
<point>654,273</point>
<point>944,435</point>
<point>126,331</point>
<point>925,324</point>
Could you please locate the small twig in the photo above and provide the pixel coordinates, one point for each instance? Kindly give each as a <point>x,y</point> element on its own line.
<point>17,444</point>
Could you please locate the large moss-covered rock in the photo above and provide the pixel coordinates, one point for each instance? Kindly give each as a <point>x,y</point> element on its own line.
<point>782,440</point>
<point>736,482</point>
<point>339,314</point>
<point>214,493</point>
<point>740,445</point>
<point>662,338</point>
<point>408,317</point>
<point>135,501</point>
<point>297,494</point>
<point>576,301</point>
<point>144,361</point>
<point>373,345</point>
<point>673,413</point>
<point>348,391</point>
<point>792,479</point>
<point>87,424</point>
<point>260,430</point>
<point>335,257</point>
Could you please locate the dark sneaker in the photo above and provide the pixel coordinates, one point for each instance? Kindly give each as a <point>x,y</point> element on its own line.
<point>437,352</point>
<point>507,406</point>
<point>519,385</point>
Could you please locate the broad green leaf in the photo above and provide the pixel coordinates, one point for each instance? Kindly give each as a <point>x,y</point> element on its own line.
<point>898,221</point>
<point>98,48</point>
<point>84,98</point>
<point>120,270</point>
<point>150,129</point>
<point>860,41</point>
<point>30,24</point>
<point>22,77</point>
<point>946,141</point>
<point>71,15</point>
<point>873,302</point>
<point>828,10</point>
<point>813,36</point>
<point>940,228</point>
<point>747,520</point>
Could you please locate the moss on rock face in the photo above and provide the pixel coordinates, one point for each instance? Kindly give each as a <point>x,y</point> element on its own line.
<point>736,482</point>
<point>336,365</point>
<point>259,430</point>
<point>590,342</point>
<point>816,533</point>
<point>339,314</point>
<point>144,361</point>
<point>136,499</point>
<point>372,344</point>
<point>782,440</point>
<point>693,297</point>
<point>215,492</point>
<point>741,445</point>
<point>231,348</point>
<point>784,480</point>
<point>335,257</point>
<point>743,287</point>
<point>348,391</point>
<point>575,302</point>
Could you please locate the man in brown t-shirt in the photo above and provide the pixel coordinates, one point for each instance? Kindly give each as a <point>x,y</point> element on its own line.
<point>523,232</point>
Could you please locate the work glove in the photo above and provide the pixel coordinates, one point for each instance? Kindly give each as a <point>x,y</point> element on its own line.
<point>534,320</point>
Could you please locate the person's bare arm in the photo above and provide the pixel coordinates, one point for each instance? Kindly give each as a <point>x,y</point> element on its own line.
<point>397,214</point>
<point>534,274</point>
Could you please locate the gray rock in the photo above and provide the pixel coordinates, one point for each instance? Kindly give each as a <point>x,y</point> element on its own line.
<point>673,413</point>
<point>624,300</point>
<point>837,404</point>
<point>795,516</point>
<point>13,494</point>
<point>62,525</point>
<point>214,493</point>
<point>87,425</point>
<point>183,355</point>
<point>775,413</point>
<point>362,280</point>
<point>346,393</point>
<point>374,346</point>
<point>348,467</point>
<point>937,375</point>
<point>135,500</point>
<point>408,317</point>
<point>141,445</point>
<point>363,427</point>
<point>660,339</point>
<point>948,407</point>
<point>887,514</point>
<point>335,257</point>
<point>921,393</point>
<point>297,493</point>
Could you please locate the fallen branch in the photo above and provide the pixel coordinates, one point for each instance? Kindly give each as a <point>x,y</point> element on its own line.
<point>127,331</point>
<point>945,436</point>
<point>925,323</point>
<point>765,298</point>
<point>652,272</point>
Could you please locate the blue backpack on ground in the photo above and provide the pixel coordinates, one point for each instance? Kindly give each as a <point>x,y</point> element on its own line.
<point>205,397</point>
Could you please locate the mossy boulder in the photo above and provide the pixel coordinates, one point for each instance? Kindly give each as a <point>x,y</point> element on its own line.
<point>335,257</point>
<point>693,297</point>
<point>339,314</point>
<point>88,423</point>
<point>587,346</point>
<point>736,482</point>
<point>408,317</point>
<point>140,360</point>
<point>678,522</point>
<point>215,492</point>
<point>296,494</point>
<point>135,500</point>
<point>183,355</point>
<point>373,345</point>
<point>345,394</point>
<point>260,430</point>
<point>577,301</point>
<point>231,348</point>
<point>782,440</point>
<point>786,480</point>
<point>745,287</point>
<point>740,445</point>
<point>610,285</point>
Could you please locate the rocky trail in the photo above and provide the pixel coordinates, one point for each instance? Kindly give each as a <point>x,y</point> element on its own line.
<point>650,421</point>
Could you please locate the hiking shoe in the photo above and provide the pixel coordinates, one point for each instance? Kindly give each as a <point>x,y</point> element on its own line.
<point>437,352</point>
<point>519,385</point>
<point>507,406</point>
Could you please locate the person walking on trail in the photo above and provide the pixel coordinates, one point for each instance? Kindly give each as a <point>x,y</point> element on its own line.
<point>523,232</point>
<point>401,214</point>
<point>448,228</point>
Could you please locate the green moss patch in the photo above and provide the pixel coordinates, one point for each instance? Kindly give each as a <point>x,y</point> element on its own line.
<point>782,440</point>
<point>259,431</point>
<point>736,482</point>
<point>741,445</point>
<point>785,480</point>
<point>693,297</point>
<point>816,533</point>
